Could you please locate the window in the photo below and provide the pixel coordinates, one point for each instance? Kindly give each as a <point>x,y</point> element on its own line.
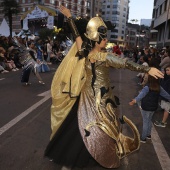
<point>114,36</point>
<point>116,1</point>
<point>165,5</point>
<point>23,9</point>
<point>132,38</point>
<point>115,6</point>
<point>116,12</point>
<point>160,10</point>
<point>115,19</point>
<point>52,1</point>
<point>160,34</point>
<point>169,34</point>
<point>156,13</point>
<point>114,30</point>
<point>123,20</point>
<point>23,1</point>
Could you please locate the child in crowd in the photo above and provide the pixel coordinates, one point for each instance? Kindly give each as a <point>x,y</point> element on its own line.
<point>165,83</point>
<point>149,97</point>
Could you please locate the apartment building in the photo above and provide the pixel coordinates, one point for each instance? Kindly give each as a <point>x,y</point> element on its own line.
<point>161,23</point>
<point>116,11</point>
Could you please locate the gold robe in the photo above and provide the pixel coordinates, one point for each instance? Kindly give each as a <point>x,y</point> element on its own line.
<point>98,122</point>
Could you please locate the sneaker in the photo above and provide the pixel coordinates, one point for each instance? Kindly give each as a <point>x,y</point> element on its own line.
<point>4,71</point>
<point>159,124</point>
<point>143,140</point>
<point>26,84</point>
<point>164,123</point>
<point>41,82</point>
<point>148,137</point>
<point>15,69</point>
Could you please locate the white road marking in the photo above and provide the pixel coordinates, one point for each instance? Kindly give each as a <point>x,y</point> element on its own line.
<point>2,78</point>
<point>160,150</point>
<point>47,95</point>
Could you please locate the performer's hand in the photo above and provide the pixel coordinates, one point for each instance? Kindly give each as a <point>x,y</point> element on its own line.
<point>132,102</point>
<point>65,11</point>
<point>155,73</point>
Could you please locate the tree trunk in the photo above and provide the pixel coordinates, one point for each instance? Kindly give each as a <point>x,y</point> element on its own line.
<point>10,23</point>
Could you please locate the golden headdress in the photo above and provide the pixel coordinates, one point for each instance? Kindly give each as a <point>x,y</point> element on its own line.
<point>92,31</point>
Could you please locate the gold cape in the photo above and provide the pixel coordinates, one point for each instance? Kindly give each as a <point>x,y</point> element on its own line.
<point>66,86</point>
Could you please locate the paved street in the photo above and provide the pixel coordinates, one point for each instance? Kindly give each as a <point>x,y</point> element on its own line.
<point>25,124</point>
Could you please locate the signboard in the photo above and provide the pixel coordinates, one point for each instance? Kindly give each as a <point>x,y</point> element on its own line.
<point>37,13</point>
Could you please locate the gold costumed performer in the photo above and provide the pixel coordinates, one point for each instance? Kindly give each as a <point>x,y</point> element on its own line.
<point>86,130</point>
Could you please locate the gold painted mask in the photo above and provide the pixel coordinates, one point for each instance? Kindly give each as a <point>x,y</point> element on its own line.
<point>92,31</point>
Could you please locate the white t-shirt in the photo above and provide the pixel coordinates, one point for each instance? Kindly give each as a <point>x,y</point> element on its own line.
<point>49,47</point>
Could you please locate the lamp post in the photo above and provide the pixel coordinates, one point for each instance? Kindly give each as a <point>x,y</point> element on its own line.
<point>137,40</point>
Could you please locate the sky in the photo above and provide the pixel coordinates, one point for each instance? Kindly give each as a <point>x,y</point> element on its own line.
<point>140,9</point>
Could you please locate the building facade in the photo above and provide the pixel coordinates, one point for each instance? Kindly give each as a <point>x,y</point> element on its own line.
<point>161,23</point>
<point>80,8</point>
<point>116,11</point>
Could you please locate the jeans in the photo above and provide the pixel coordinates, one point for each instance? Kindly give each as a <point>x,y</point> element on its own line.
<point>49,56</point>
<point>147,123</point>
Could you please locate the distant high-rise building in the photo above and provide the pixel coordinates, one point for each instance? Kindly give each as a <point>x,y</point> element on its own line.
<point>160,27</point>
<point>117,12</point>
<point>146,22</point>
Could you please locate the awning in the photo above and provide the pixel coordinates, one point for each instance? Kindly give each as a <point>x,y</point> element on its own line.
<point>50,11</point>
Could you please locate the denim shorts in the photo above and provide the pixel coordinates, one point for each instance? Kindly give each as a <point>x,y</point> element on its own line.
<point>165,105</point>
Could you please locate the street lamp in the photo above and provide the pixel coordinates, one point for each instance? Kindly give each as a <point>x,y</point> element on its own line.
<point>137,40</point>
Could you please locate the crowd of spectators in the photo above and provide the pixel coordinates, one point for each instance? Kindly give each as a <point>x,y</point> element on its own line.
<point>9,53</point>
<point>8,57</point>
<point>161,60</point>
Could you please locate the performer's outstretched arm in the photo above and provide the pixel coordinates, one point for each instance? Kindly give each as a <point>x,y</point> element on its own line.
<point>66,12</point>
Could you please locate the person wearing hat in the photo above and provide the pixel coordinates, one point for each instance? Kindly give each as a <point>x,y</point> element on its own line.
<point>85,126</point>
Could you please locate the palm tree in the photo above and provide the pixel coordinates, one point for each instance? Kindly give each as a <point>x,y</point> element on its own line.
<point>9,8</point>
